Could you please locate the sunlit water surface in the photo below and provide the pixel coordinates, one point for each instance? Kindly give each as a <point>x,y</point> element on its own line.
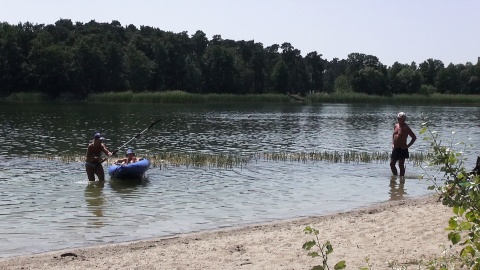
<point>48,205</point>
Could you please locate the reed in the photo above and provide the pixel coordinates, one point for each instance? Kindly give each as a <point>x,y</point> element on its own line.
<point>111,97</point>
<point>260,98</point>
<point>182,97</point>
<point>27,97</point>
<point>344,98</point>
<point>168,97</point>
<point>229,160</point>
<point>186,98</point>
<point>395,99</point>
<point>196,159</point>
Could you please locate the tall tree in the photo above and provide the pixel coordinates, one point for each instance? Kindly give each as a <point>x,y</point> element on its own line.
<point>12,58</point>
<point>316,67</point>
<point>370,81</point>
<point>89,63</point>
<point>334,69</point>
<point>258,66</point>
<point>358,61</point>
<point>447,80</point>
<point>49,65</point>
<point>280,78</point>
<point>219,70</point>
<point>429,70</point>
<point>139,67</point>
<point>404,79</point>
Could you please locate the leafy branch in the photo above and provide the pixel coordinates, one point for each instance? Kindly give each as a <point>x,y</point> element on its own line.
<point>323,250</point>
<point>460,190</point>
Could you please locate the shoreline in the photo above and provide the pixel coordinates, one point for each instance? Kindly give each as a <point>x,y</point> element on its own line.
<point>403,231</point>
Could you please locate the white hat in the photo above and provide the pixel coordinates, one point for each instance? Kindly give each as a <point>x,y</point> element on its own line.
<point>402,115</point>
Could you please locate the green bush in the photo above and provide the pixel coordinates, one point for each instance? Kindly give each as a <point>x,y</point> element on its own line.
<point>459,189</point>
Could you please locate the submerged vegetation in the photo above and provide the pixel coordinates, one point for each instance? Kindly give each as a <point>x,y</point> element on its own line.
<point>229,160</point>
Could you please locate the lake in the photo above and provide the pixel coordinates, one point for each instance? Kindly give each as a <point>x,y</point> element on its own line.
<point>47,204</point>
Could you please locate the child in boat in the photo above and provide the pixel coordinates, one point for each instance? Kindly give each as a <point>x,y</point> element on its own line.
<point>93,159</point>
<point>131,158</point>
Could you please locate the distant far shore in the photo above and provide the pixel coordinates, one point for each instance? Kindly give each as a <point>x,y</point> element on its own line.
<point>182,97</point>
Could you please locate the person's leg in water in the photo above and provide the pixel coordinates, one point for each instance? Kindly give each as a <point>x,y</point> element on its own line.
<point>99,172</point>
<point>401,164</point>
<point>393,167</point>
<point>90,172</point>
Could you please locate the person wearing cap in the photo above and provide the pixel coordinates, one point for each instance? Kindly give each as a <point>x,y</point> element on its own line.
<point>93,159</point>
<point>400,147</point>
<point>130,158</point>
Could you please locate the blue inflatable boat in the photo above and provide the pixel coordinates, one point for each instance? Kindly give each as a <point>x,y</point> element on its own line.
<point>133,170</point>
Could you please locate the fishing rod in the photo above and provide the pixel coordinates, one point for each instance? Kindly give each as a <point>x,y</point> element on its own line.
<point>134,137</point>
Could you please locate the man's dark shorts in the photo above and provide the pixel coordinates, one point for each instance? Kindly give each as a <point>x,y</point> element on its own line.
<point>399,153</point>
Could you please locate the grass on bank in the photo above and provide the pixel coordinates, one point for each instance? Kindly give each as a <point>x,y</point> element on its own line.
<point>27,97</point>
<point>182,97</point>
<point>188,98</point>
<point>395,99</point>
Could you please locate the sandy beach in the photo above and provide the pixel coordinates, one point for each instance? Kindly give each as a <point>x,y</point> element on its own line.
<point>399,231</point>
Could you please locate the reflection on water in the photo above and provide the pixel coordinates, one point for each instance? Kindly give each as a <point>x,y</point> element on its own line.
<point>129,186</point>
<point>95,202</point>
<point>47,205</point>
<point>397,190</point>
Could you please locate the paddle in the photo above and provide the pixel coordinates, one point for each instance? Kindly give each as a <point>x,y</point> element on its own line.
<point>136,136</point>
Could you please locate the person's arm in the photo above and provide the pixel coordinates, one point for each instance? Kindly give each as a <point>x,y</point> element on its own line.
<point>105,150</point>
<point>393,136</point>
<point>413,136</point>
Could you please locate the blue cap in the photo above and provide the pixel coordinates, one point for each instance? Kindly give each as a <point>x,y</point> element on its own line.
<point>130,151</point>
<point>97,136</point>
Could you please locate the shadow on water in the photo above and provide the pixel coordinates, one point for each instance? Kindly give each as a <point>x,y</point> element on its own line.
<point>397,190</point>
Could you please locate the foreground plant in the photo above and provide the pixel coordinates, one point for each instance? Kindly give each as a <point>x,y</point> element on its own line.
<point>461,191</point>
<point>323,250</point>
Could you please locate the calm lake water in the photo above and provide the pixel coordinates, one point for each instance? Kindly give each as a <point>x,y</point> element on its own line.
<point>48,205</point>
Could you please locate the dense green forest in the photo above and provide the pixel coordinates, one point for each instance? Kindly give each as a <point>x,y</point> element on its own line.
<point>79,59</point>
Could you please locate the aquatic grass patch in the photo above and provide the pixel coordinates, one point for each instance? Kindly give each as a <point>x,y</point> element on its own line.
<point>197,159</point>
<point>416,158</point>
<point>229,160</point>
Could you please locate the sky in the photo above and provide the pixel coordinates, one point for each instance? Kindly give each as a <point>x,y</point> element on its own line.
<point>403,31</point>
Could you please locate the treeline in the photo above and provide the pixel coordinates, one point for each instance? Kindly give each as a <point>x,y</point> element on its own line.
<point>79,59</point>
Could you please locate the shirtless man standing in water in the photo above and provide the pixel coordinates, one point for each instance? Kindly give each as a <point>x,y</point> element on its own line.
<point>93,159</point>
<point>399,144</point>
